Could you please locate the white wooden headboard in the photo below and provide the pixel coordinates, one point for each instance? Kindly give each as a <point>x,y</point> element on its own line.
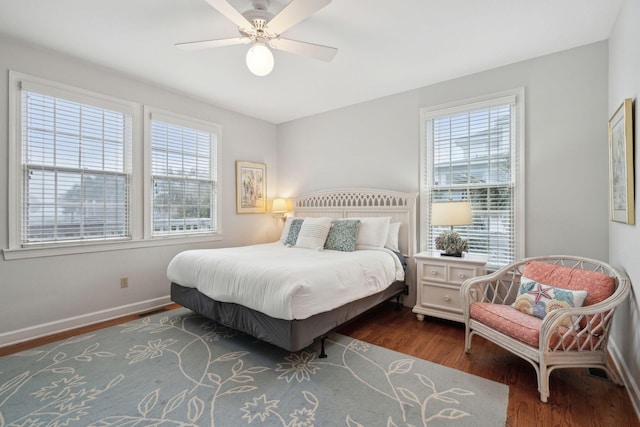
<point>364,202</point>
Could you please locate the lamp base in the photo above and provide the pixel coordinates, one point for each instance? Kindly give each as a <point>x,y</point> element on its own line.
<point>454,255</point>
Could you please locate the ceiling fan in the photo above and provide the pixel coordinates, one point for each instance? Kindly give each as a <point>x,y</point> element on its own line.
<point>263,29</point>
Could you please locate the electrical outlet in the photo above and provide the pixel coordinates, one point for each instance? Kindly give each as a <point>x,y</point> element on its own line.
<point>124,282</point>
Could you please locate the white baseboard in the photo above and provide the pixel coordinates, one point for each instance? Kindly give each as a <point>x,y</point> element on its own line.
<point>629,382</point>
<point>42,330</point>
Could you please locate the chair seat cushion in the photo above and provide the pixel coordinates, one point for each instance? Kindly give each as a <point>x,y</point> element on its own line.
<point>526,328</point>
<point>508,320</point>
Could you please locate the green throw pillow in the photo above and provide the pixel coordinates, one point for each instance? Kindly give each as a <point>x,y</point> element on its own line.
<point>343,235</point>
<point>294,230</point>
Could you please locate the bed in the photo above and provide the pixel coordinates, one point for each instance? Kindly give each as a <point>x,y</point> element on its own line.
<point>274,309</point>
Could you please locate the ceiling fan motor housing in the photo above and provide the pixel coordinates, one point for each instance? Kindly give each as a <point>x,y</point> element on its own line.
<point>259,16</point>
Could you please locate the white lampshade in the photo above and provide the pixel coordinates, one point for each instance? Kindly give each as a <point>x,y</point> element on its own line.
<point>260,59</point>
<point>279,206</point>
<point>451,213</point>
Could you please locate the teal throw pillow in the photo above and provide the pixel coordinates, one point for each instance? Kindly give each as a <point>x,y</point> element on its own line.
<point>294,230</point>
<point>343,235</point>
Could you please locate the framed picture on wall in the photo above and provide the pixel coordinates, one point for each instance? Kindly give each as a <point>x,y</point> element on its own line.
<point>621,164</point>
<point>251,187</point>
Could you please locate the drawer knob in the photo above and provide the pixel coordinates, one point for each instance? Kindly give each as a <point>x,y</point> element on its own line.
<point>447,298</point>
<point>434,273</point>
<point>461,275</point>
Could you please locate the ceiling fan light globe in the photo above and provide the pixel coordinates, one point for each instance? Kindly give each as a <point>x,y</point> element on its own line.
<point>260,59</point>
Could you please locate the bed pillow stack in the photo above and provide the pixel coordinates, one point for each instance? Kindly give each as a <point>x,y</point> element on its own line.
<point>392,237</point>
<point>345,234</point>
<point>373,232</point>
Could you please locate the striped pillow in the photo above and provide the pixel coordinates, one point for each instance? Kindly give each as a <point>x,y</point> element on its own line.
<point>313,233</point>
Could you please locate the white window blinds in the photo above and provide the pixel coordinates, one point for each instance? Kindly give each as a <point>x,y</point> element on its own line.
<point>184,173</point>
<point>471,155</point>
<point>76,167</point>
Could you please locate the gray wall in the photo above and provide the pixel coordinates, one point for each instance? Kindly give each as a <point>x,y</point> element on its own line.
<point>624,240</point>
<point>75,289</point>
<point>569,98</point>
<point>376,144</point>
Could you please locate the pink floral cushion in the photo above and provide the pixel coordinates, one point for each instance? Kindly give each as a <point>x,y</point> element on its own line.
<point>598,285</point>
<point>525,328</point>
<point>508,320</point>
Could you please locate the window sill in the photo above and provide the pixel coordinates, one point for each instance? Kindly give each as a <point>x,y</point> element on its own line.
<point>82,248</point>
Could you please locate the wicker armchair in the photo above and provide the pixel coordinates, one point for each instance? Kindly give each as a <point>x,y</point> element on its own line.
<point>564,338</point>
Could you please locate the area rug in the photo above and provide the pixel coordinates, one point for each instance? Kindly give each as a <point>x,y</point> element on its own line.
<point>180,369</point>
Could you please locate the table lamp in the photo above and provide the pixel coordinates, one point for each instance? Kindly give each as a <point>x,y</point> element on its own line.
<point>451,213</point>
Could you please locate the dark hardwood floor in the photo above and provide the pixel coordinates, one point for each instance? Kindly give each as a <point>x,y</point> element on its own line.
<point>577,398</point>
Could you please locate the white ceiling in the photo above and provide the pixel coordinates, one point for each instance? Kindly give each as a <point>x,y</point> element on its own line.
<point>384,47</point>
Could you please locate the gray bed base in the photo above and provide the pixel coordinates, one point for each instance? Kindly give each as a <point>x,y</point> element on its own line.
<point>292,335</point>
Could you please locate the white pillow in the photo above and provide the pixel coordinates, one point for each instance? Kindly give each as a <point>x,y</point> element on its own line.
<point>313,233</point>
<point>373,231</point>
<point>392,237</point>
<point>285,229</point>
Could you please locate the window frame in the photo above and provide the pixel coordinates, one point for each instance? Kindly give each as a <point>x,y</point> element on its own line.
<point>150,114</point>
<point>140,174</point>
<point>427,114</point>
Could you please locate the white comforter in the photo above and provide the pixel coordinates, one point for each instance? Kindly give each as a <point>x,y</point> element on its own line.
<point>283,282</point>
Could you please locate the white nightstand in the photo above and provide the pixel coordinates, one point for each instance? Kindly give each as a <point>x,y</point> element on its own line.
<point>439,279</point>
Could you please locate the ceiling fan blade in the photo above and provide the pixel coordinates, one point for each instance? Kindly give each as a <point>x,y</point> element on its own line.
<point>208,44</point>
<point>294,12</point>
<point>316,51</point>
<point>230,13</point>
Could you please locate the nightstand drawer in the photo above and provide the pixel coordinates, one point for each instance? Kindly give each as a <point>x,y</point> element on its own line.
<point>460,274</point>
<point>442,298</point>
<point>439,279</point>
<point>434,272</point>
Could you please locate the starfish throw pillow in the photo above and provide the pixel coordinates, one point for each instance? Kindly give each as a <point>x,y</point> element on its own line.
<point>538,299</point>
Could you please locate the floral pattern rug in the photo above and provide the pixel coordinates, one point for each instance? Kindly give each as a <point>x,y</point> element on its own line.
<point>180,369</point>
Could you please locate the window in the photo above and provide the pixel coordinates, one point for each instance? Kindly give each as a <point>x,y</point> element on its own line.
<point>75,161</point>
<point>473,152</point>
<point>87,174</point>
<point>183,174</point>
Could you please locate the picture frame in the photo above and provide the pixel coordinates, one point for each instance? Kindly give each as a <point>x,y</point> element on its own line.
<point>621,173</point>
<point>251,187</point>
